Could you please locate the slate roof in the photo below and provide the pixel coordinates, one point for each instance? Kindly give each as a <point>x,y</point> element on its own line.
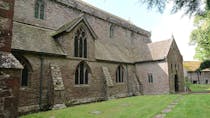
<point>30,38</point>
<point>112,52</point>
<point>119,53</point>
<point>159,50</point>
<point>72,24</point>
<point>191,66</point>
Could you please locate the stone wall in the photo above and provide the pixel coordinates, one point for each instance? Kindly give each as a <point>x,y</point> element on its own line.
<point>160,84</point>
<point>74,94</point>
<point>202,77</point>
<point>42,51</point>
<point>53,9</point>
<point>10,68</point>
<point>9,89</point>
<point>175,67</point>
<point>56,15</point>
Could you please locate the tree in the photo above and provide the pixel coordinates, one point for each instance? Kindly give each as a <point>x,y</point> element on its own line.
<point>205,64</point>
<point>201,9</point>
<point>190,7</point>
<point>201,36</point>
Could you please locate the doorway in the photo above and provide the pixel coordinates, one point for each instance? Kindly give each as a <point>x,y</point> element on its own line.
<point>176,83</point>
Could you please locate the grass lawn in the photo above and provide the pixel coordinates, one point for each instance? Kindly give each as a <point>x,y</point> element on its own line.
<point>133,107</point>
<point>192,106</point>
<point>199,87</point>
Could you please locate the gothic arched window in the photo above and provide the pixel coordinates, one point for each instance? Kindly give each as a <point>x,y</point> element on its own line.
<point>81,74</point>
<point>120,74</point>
<point>80,43</point>
<point>39,9</point>
<point>26,72</point>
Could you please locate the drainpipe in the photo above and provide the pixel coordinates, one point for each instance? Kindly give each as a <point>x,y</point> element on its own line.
<point>41,79</point>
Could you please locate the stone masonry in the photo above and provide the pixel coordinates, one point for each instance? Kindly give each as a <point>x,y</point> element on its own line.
<point>120,59</point>
<point>10,68</point>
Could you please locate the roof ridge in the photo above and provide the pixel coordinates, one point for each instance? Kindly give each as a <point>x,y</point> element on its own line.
<point>97,12</point>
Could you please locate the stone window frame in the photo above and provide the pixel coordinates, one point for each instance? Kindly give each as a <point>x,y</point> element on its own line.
<point>26,65</point>
<point>80,43</point>
<point>120,74</point>
<point>82,74</point>
<point>150,77</point>
<point>39,9</point>
<point>111,30</point>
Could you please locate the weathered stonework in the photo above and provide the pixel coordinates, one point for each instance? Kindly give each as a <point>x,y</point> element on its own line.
<point>48,47</point>
<point>10,68</point>
<point>56,77</point>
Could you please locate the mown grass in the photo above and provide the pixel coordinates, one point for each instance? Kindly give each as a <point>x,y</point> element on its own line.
<point>192,106</point>
<point>200,87</point>
<point>133,107</point>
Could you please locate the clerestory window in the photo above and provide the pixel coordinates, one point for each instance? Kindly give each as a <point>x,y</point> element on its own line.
<point>111,31</point>
<point>80,43</point>
<point>39,9</point>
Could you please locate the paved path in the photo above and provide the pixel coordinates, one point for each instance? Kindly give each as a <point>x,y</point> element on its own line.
<point>168,108</point>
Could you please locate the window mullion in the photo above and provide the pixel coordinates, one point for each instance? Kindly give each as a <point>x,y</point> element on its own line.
<point>79,74</point>
<point>83,75</point>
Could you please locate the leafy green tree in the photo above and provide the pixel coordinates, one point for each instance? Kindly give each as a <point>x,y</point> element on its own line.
<point>205,64</point>
<point>201,36</point>
<point>191,7</point>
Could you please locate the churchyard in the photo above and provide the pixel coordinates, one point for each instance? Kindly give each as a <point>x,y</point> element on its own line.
<point>148,106</point>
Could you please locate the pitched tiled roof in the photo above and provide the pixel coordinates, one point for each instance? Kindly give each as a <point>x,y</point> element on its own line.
<point>159,50</point>
<point>191,65</point>
<point>72,24</point>
<point>112,52</point>
<point>30,38</point>
<point>119,53</point>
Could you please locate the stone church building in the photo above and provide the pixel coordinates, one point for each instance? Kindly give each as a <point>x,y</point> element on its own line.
<point>73,53</point>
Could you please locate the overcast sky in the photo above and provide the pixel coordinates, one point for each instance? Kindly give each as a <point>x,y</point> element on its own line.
<point>162,26</point>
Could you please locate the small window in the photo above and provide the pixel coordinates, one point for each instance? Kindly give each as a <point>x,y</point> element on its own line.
<point>120,74</point>
<point>80,43</point>
<point>207,81</point>
<point>150,78</point>
<point>111,31</point>
<point>39,9</point>
<point>81,74</point>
